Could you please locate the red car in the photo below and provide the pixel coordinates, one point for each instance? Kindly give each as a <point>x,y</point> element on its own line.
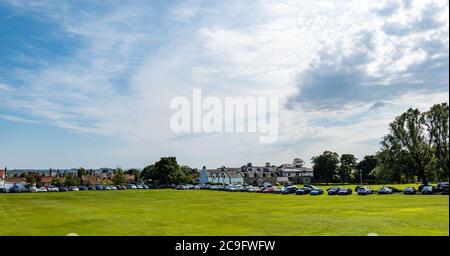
<point>269,190</point>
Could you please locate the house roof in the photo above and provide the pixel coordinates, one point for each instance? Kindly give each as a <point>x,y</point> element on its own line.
<point>46,179</point>
<point>14,179</point>
<point>234,174</point>
<point>89,178</point>
<point>210,172</point>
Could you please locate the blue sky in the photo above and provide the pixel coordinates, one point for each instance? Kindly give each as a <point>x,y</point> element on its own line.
<point>89,84</point>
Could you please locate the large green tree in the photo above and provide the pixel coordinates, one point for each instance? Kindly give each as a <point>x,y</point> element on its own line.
<point>406,142</point>
<point>348,164</point>
<point>365,166</point>
<point>165,171</point>
<point>326,166</point>
<point>437,122</point>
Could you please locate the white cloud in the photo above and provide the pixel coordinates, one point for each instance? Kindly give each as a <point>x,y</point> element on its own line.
<point>133,60</point>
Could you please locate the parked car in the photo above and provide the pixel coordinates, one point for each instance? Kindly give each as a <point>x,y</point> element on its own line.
<point>113,187</point>
<point>83,188</point>
<point>363,190</point>
<point>310,186</point>
<point>445,189</point>
<point>333,191</point>
<point>427,190</point>
<point>52,189</point>
<point>410,191</point>
<point>442,187</point>
<point>303,191</point>
<point>269,190</point>
<point>74,188</point>
<point>63,189</point>
<point>92,188</point>
<point>345,191</point>
<point>15,189</point>
<point>107,188</point>
<point>395,190</point>
<point>251,189</point>
<point>43,189</point>
<point>99,187</point>
<point>289,190</point>
<point>384,191</point>
<point>131,186</point>
<point>123,187</point>
<point>260,190</point>
<point>278,190</point>
<point>317,191</point>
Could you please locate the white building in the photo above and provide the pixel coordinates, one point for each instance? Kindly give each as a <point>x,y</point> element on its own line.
<point>2,178</point>
<point>296,174</point>
<point>221,175</point>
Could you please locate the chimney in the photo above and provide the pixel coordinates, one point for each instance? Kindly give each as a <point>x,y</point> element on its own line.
<point>267,164</point>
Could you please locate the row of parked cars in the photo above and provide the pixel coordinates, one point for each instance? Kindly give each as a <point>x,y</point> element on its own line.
<point>441,188</point>
<point>22,189</point>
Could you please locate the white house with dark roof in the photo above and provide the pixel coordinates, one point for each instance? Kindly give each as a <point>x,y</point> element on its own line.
<point>221,175</point>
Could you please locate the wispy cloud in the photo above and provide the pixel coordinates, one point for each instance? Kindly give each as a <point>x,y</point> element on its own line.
<point>329,62</point>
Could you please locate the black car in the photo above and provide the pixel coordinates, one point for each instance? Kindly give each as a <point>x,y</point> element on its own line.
<point>83,188</point>
<point>345,191</point>
<point>289,190</point>
<point>410,191</point>
<point>63,189</point>
<point>333,191</point>
<point>442,187</point>
<point>92,188</point>
<point>445,189</point>
<point>15,189</point>
<point>99,187</point>
<point>303,191</point>
<point>395,190</point>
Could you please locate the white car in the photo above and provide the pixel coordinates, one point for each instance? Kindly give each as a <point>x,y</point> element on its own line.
<point>52,189</point>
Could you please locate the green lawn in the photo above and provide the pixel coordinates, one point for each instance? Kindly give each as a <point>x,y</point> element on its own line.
<point>173,212</point>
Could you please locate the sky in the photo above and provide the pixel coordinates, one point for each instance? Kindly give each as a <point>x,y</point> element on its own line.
<point>89,83</point>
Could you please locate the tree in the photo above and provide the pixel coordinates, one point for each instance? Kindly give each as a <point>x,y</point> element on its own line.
<point>72,181</point>
<point>298,162</point>
<point>348,164</point>
<point>437,122</point>
<point>407,139</point>
<point>56,182</point>
<point>119,178</point>
<point>148,173</point>
<point>326,166</point>
<point>81,172</point>
<point>366,166</point>
<point>165,171</point>
<point>30,179</point>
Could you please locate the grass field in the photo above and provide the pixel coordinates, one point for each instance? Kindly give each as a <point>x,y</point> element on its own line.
<point>173,212</point>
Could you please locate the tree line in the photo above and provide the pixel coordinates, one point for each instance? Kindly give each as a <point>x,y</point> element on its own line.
<point>416,148</point>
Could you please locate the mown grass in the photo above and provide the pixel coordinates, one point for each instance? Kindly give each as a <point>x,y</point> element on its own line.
<point>173,212</point>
